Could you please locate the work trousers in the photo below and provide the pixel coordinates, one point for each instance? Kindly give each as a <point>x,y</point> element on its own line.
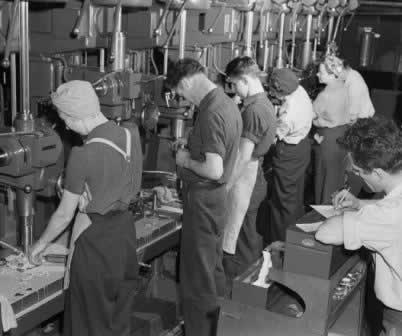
<point>286,203</point>
<point>202,278</point>
<point>103,278</point>
<point>249,243</point>
<point>329,163</point>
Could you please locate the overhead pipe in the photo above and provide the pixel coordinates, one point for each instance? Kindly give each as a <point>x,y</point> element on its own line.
<point>381,3</point>
<point>379,13</point>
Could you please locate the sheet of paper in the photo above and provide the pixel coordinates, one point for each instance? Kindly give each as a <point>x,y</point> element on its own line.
<point>326,210</point>
<point>309,227</point>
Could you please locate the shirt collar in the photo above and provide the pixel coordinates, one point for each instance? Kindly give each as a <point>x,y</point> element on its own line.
<point>252,99</point>
<point>394,192</point>
<point>99,131</point>
<point>207,99</point>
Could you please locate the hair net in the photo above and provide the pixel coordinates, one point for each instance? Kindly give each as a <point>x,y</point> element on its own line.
<point>76,99</point>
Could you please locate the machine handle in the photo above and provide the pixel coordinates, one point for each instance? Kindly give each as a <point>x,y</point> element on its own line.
<point>158,29</point>
<point>165,45</point>
<point>84,10</point>
<point>6,59</point>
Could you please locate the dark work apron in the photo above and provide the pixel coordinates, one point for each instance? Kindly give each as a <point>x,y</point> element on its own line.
<point>286,204</point>
<point>103,278</point>
<point>329,164</point>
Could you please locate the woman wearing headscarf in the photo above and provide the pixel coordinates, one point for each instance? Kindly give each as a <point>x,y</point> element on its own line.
<point>359,101</point>
<point>292,152</point>
<point>102,177</point>
<point>331,120</point>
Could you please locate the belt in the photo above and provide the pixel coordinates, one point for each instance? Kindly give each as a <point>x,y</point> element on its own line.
<point>205,184</point>
<point>286,143</point>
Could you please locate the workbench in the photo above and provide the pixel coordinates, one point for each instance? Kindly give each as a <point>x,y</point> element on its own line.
<point>155,235</point>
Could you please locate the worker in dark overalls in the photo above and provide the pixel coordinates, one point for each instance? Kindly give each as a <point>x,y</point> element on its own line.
<point>292,152</point>
<point>204,167</point>
<point>102,177</point>
<point>242,244</point>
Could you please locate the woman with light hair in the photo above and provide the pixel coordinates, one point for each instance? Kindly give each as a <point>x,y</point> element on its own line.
<point>102,178</point>
<point>331,120</point>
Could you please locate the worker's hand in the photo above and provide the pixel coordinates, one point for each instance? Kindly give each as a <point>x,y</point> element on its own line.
<point>35,253</point>
<point>183,158</point>
<point>236,99</point>
<point>180,143</point>
<point>318,138</point>
<point>344,199</point>
<point>84,199</point>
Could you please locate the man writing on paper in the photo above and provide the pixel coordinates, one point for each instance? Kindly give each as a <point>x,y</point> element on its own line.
<point>375,150</point>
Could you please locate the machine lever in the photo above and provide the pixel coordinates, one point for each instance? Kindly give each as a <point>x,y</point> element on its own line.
<point>84,10</point>
<point>10,247</point>
<point>6,59</point>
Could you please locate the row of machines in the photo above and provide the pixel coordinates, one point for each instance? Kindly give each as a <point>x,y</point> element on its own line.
<point>124,48</point>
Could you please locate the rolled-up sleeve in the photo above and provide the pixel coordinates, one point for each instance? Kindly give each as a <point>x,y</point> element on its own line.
<point>371,227</point>
<point>76,171</point>
<point>212,135</point>
<point>254,126</point>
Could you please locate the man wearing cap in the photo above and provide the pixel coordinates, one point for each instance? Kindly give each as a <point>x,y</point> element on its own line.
<point>205,168</point>
<point>102,177</point>
<point>242,243</point>
<point>292,152</point>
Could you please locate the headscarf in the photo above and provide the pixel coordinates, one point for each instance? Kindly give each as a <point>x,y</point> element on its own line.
<point>76,99</point>
<point>283,82</point>
<point>333,65</point>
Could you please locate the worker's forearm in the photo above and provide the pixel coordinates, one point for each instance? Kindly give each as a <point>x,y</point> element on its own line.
<point>204,169</point>
<point>363,202</point>
<point>56,226</point>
